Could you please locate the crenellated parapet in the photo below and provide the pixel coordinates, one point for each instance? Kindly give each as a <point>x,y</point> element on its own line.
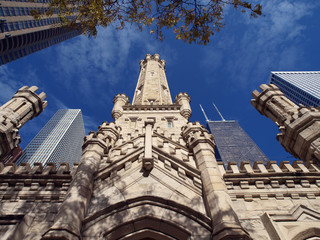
<point>119,101</point>
<point>299,125</point>
<point>194,133</point>
<point>49,184</point>
<point>155,57</point>
<point>183,99</point>
<point>109,132</point>
<point>277,181</point>
<point>24,105</point>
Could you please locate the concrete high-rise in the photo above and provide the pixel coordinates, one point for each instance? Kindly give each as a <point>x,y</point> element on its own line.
<point>60,140</point>
<point>21,34</point>
<point>299,87</point>
<point>233,144</point>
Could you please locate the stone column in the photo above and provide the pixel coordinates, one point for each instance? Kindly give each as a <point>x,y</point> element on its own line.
<point>68,222</point>
<point>24,105</point>
<point>225,222</point>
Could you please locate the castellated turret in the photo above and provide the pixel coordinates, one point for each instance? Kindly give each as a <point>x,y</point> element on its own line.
<point>24,105</point>
<point>183,100</point>
<point>299,126</point>
<point>119,101</point>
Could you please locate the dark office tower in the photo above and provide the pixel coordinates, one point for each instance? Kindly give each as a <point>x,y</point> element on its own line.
<point>60,140</point>
<point>21,34</point>
<point>299,87</point>
<point>233,144</point>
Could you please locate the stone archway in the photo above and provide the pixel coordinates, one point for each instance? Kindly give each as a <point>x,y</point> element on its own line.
<point>308,234</point>
<point>147,218</point>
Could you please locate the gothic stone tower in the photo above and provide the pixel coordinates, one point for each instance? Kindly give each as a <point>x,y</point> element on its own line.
<point>149,175</point>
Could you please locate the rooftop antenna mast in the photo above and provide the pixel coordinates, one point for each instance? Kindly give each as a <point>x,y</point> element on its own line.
<point>204,113</point>
<point>222,118</point>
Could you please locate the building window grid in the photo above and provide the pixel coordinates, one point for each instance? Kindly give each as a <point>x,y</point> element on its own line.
<point>293,91</point>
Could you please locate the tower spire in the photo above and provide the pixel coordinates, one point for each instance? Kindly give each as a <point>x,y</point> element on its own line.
<point>152,87</point>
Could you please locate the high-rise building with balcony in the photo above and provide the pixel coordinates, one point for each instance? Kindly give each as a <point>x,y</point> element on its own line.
<point>299,87</point>
<point>60,140</point>
<point>21,34</point>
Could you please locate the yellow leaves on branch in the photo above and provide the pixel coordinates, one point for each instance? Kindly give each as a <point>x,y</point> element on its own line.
<point>190,20</point>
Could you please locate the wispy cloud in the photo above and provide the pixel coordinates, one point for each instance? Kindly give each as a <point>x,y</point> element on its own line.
<point>9,83</point>
<point>97,62</point>
<point>270,42</point>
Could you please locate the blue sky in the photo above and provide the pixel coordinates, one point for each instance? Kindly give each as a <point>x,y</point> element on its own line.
<point>87,73</point>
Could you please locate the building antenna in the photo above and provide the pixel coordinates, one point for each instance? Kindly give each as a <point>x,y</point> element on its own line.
<point>218,112</point>
<point>204,113</point>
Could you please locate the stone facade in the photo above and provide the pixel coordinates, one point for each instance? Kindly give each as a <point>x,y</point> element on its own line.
<point>152,174</point>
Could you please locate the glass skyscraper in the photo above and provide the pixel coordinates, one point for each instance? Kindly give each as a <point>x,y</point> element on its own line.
<point>299,87</point>
<point>60,140</point>
<point>21,34</point>
<point>233,144</point>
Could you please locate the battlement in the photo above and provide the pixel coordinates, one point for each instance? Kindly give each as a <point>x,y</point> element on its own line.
<point>12,169</point>
<point>47,184</point>
<point>293,181</point>
<point>155,57</point>
<point>271,168</point>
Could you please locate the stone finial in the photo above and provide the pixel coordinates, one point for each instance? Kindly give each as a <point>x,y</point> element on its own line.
<point>183,99</point>
<point>119,101</point>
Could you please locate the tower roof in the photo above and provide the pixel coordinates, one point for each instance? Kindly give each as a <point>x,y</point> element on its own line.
<point>152,87</point>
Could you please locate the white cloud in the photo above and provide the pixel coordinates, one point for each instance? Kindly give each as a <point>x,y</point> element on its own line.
<point>281,21</point>
<point>270,42</point>
<point>97,62</point>
<point>8,84</point>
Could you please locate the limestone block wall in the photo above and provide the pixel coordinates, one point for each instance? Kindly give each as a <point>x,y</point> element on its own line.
<point>133,118</point>
<point>276,201</point>
<point>30,198</point>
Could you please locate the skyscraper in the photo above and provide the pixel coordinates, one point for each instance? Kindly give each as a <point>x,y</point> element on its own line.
<point>233,144</point>
<point>299,87</point>
<point>21,34</point>
<point>60,140</point>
